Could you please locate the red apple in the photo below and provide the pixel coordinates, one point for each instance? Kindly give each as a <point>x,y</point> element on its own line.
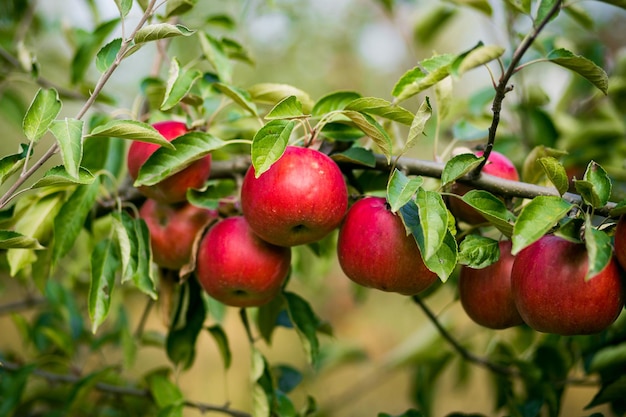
<point>236,267</point>
<point>173,230</point>
<point>498,165</point>
<point>375,251</point>
<point>486,293</point>
<point>620,242</point>
<point>172,189</point>
<point>300,199</point>
<point>552,295</point>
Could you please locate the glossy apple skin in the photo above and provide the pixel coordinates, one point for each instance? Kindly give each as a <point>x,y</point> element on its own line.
<point>551,294</point>
<point>374,250</point>
<point>173,230</point>
<point>299,200</point>
<point>498,165</point>
<point>239,269</point>
<point>486,295</point>
<point>620,242</point>
<point>174,188</point>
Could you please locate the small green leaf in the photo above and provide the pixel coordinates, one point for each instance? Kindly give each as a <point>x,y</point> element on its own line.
<point>219,336</point>
<point>104,265</point>
<point>272,93</point>
<point>445,259</point>
<point>58,176</point>
<point>158,31</point>
<point>131,130</point>
<point>401,189</point>
<point>536,219</point>
<point>478,251</point>
<point>433,216</point>
<point>179,83</point>
<point>599,249</point>
<point>555,172</point>
<point>373,129</point>
<point>239,96</point>
<point>108,54</point>
<point>263,386</point>
<point>288,108</point>
<point>444,97</point>
<point>10,164</point>
<point>459,166</point>
<point>178,7</point>
<point>383,108</point>
<point>306,323</point>
<point>71,219</point>
<point>532,172</point>
<point>583,66</point>
<point>13,240</point>
<point>337,100</point>
<point>419,123</point>
<point>269,144</point>
<point>69,135</point>
<point>214,53</point>
<point>164,392</point>
<point>418,79</point>
<point>124,6</point>
<point>492,208</point>
<point>44,108</point>
<point>477,56</point>
<point>544,8</point>
<point>601,183</point>
<point>356,155</point>
<point>88,47</point>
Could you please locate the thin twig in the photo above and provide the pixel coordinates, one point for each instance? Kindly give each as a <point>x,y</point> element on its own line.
<point>121,390</point>
<point>21,305</point>
<point>503,86</point>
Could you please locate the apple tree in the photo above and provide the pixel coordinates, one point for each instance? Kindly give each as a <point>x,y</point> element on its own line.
<point>186,176</point>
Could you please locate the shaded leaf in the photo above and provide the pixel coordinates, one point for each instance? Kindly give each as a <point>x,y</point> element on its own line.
<point>179,83</point>
<point>373,129</point>
<point>401,189</point>
<point>383,108</point>
<point>219,336</point>
<point>356,155</point>
<point>492,208</point>
<point>433,216</point>
<point>239,96</point>
<point>617,3</point>
<point>610,391</point>
<point>445,259</point>
<point>583,66</point>
<point>532,171</point>
<point>108,54</point>
<point>214,53</point>
<point>178,7</point>
<point>69,135</point>
<point>13,240</point>
<point>158,31</point>
<point>124,6</point>
<point>42,111</point>
<point>104,265</point>
<point>600,184</point>
<point>272,93</point>
<point>306,323</point>
<point>419,123</point>
<point>334,101</point>
<point>599,249</point>
<point>269,144</point>
<point>478,252</point>
<point>477,56</point>
<point>58,176</point>
<point>88,48</point>
<point>164,391</point>
<point>459,166</point>
<point>10,164</point>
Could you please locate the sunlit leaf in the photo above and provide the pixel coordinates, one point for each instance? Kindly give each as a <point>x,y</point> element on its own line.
<point>532,172</point>
<point>482,6</point>
<point>88,48</point>
<point>178,7</point>
<point>459,166</point>
<point>104,265</point>
<point>544,8</point>
<point>555,172</point>
<point>107,54</point>
<point>478,56</point>
<point>10,164</point>
<point>165,392</point>
<point>401,189</point>
<point>131,130</point>
<point>433,216</point>
<point>239,96</point>
<point>418,79</point>
<point>269,144</point>
<point>214,53</point>
<point>13,240</point>
<point>478,251</point>
<point>272,94</point>
<point>288,108</point>
<point>600,184</point>
<point>419,123</point>
<point>42,111</point>
<point>69,135</point>
<point>58,176</point>
<point>124,6</point>
<point>383,108</point>
<point>373,129</point>
<point>583,66</point>
<point>599,249</point>
<point>179,83</point>
<point>158,31</point>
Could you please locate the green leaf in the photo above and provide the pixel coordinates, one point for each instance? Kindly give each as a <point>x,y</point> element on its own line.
<point>42,111</point>
<point>178,7</point>
<point>544,8</point>
<point>88,48</point>
<point>263,387</point>
<point>268,317</point>
<point>214,53</point>
<point>239,96</point>
<point>555,172</point>
<point>58,176</point>
<point>13,385</point>
<point>401,189</point>
<point>373,129</point>
<point>158,31</point>
<point>165,162</point>
<point>419,123</point>
<point>71,218</point>
<point>478,251</point>
<point>418,79</point>
<point>383,108</point>
<point>532,172</point>
<point>611,391</point>
<point>459,166</point>
<point>10,164</point>
<point>467,131</point>
<point>131,130</point>
<point>583,66</point>
<point>617,3</point>
<point>288,108</point>
<point>599,249</point>
<point>272,93</point>
<point>433,216</point>
<point>108,54</point>
<point>337,100</point>
<point>219,336</point>
<point>536,219</point>
<point>477,56</point>
<point>482,6</point>
<point>164,392</point>
<point>356,155</point>
<point>445,259</point>
<point>13,240</point>
<point>124,6</point>
<point>212,193</point>
<point>269,144</point>
<point>179,83</point>
<point>69,135</point>
<point>104,265</point>
<point>306,323</point>
<point>600,184</point>
<point>444,97</point>
<point>492,208</point>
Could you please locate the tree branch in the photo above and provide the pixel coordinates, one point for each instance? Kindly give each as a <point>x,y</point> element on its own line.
<point>21,305</point>
<point>119,390</point>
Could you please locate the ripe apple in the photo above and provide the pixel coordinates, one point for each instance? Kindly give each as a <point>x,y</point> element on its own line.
<point>172,189</point>
<point>173,230</point>
<point>497,165</point>
<point>236,267</point>
<point>552,295</point>
<point>300,199</point>
<point>375,251</point>
<point>620,242</point>
<point>486,293</point>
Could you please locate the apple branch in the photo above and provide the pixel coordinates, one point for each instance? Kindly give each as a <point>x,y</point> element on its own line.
<point>18,306</point>
<point>122,390</point>
<point>503,87</point>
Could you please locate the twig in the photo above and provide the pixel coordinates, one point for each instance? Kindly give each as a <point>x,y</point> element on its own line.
<point>21,305</point>
<point>503,86</point>
<point>464,353</point>
<point>120,390</point>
